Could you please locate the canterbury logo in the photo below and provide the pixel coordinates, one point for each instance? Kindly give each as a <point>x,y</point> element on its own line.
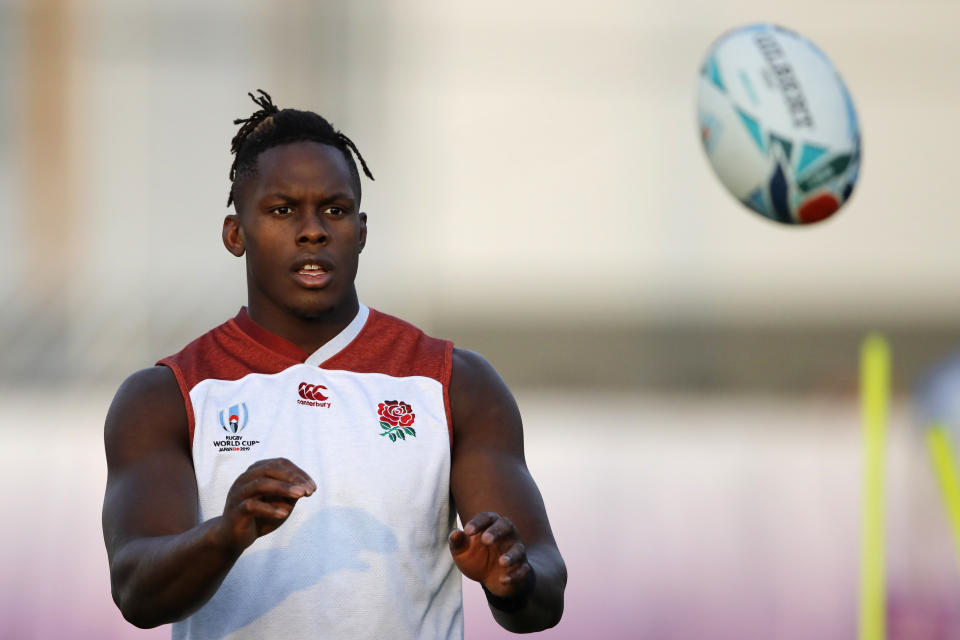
<point>312,395</point>
<point>312,391</point>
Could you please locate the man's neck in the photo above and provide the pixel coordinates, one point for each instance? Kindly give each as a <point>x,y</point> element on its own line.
<point>308,333</point>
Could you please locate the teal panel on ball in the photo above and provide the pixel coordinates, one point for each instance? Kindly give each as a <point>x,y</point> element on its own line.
<point>757,202</point>
<point>753,127</point>
<point>785,144</point>
<point>809,155</point>
<point>713,72</point>
<point>826,172</point>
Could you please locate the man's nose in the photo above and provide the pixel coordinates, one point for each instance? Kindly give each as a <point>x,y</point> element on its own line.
<point>312,231</point>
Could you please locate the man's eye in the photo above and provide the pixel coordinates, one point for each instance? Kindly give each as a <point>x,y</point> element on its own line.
<point>336,211</point>
<point>281,211</point>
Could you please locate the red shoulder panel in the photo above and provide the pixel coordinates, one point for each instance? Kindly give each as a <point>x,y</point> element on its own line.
<point>227,352</point>
<point>397,348</point>
<point>392,346</point>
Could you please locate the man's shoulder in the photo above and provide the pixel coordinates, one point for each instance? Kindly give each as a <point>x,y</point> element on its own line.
<point>387,344</point>
<point>150,397</point>
<point>380,321</point>
<point>475,383</point>
<point>148,382</point>
<point>227,352</point>
<point>203,343</point>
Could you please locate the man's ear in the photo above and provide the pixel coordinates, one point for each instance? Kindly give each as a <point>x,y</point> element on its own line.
<point>363,232</point>
<point>233,235</point>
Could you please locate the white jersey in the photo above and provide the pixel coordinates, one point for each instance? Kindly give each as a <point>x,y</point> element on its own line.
<point>368,417</point>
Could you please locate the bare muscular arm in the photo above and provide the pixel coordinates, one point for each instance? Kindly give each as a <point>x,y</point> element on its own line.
<point>507,532</point>
<point>164,564</point>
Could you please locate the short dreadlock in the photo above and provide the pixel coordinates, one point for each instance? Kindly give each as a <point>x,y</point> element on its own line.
<point>269,127</point>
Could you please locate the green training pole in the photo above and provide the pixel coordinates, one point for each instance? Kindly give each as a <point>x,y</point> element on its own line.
<point>945,467</point>
<point>875,405</point>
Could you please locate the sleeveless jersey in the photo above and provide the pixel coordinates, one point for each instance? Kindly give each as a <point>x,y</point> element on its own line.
<point>368,417</point>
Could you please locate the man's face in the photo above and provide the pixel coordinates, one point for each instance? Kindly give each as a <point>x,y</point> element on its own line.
<point>300,228</point>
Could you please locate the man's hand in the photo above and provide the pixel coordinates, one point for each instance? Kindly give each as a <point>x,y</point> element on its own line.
<point>261,499</point>
<point>489,551</point>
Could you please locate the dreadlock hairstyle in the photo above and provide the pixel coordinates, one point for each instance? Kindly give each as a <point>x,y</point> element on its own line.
<point>269,127</point>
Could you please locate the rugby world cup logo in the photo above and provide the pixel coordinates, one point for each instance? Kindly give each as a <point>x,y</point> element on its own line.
<point>235,418</point>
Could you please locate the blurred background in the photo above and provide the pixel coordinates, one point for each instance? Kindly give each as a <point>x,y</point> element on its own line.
<point>687,370</point>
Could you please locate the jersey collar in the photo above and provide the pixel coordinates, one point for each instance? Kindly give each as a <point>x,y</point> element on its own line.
<point>339,342</point>
<point>287,349</point>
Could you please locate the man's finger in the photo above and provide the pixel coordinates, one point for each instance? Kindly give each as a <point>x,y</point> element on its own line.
<point>458,541</point>
<point>502,528</point>
<point>265,486</point>
<point>281,469</point>
<point>516,576</point>
<point>480,522</point>
<point>513,555</point>
<point>260,509</point>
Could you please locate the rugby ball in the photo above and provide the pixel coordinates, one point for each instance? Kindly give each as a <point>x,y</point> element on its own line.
<point>778,124</point>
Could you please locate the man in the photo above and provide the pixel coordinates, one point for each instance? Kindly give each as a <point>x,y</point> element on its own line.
<point>291,473</point>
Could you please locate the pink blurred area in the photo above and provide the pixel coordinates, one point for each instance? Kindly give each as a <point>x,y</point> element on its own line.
<point>55,581</point>
<point>678,517</point>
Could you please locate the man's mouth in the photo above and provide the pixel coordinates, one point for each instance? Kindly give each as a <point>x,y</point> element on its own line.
<point>313,275</point>
<point>312,270</point>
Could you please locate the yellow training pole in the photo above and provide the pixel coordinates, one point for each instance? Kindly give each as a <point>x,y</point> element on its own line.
<point>875,401</point>
<point>945,466</point>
